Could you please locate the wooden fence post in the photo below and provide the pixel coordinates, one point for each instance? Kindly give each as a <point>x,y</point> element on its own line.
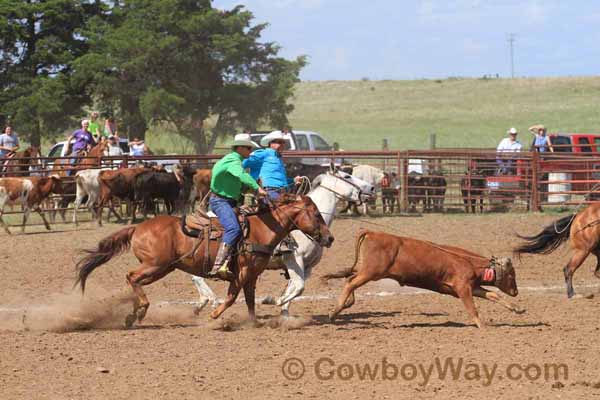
<point>403,166</point>
<point>535,194</point>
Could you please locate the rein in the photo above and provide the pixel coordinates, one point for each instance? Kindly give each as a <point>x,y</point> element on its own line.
<point>276,209</point>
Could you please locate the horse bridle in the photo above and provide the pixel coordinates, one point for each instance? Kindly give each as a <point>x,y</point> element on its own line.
<point>338,195</point>
<point>313,236</point>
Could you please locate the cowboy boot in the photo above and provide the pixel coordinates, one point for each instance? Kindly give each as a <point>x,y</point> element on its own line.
<point>220,268</point>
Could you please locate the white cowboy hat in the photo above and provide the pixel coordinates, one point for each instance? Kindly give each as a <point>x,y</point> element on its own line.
<point>275,135</point>
<point>243,139</point>
<point>512,131</point>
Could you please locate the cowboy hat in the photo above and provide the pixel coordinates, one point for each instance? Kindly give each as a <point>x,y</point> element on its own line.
<point>243,140</point>
<point>275,135</point>
<point>512,131</point>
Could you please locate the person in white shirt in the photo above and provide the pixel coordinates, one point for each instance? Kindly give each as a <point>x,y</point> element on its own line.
<point>508,145</point>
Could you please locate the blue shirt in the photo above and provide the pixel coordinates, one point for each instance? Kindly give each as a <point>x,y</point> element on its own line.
<point>267,165</point>
<point>82,139</point>
<point>8,141</point>
<point>542,142</point>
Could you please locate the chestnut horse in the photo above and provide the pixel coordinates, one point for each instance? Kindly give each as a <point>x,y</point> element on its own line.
<point>18,165</point>
<point>583,232</point>
<point>86,160</point>
<point>161,247</point>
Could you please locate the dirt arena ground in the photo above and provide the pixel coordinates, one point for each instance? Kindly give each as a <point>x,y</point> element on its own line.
<point>394,343</point>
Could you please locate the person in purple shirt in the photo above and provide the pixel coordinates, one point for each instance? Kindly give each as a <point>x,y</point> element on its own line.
<point>84,141</point>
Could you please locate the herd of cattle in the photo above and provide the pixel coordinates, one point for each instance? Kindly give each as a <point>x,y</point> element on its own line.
<point>96,189</point>
<point>180,188</point>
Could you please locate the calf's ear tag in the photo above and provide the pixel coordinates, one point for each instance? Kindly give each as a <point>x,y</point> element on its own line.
<point>489,275</point>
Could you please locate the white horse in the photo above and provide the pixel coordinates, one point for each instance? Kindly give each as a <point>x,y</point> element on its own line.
<point>327,189</point>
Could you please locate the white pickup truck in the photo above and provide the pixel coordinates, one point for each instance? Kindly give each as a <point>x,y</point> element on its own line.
<point>302,141</point>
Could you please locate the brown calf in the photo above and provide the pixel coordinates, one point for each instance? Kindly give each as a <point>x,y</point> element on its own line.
<point>443,269</point>
<point>200,188</point>
<point>29,193</point>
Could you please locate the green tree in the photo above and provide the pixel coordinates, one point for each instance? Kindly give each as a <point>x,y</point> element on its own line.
<point>39,40</point>
<point>201,69</point>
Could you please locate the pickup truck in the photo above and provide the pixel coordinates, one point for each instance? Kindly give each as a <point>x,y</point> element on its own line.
<point>60,149</point>
<point>302,141</point>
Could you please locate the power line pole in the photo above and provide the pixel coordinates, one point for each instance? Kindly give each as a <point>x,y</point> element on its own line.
<point>511,41</point>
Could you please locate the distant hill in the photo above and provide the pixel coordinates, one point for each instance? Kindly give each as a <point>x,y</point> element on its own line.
<point>462,112</point>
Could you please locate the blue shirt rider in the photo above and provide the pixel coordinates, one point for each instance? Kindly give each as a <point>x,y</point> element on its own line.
<point>267,165</point>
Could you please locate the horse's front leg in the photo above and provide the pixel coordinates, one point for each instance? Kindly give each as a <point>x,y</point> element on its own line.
<point>295,268</point>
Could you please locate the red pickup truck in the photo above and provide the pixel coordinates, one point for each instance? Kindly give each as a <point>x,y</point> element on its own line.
<point>575,142</point>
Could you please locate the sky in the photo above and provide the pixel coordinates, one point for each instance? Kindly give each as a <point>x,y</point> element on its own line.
<point>387,39</point>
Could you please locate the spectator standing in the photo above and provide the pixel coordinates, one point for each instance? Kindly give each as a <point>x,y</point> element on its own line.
<point>542,142</point>
<point>139,148</point>
<point>94,126</point>
<point>110,127</point>
<point>508,145</point>
<point>9,142</point>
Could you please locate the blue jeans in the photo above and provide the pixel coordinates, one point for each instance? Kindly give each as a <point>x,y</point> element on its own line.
<point>224,210</point>
<point>73,161</point>
<point>275,193</point>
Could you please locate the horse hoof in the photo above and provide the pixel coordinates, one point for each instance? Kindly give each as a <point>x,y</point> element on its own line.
<point>268,300</point>
<point>520,310</point>
<point>129,320</point>
<point>331,317</point>
<point>285,314</point>
<point>141,315</point>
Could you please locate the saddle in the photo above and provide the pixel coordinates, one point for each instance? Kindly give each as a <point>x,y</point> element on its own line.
<point>201,225</point>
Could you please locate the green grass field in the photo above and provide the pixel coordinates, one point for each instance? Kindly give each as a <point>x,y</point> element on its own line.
<point>461,112</point>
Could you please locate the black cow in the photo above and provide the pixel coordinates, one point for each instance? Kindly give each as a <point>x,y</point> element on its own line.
<point>416,190</point>
<point>152,185</point>
<point>435,191</point>
<point>473,187</point>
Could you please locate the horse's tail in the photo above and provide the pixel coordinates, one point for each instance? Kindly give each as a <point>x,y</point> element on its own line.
<point>347,272</point>
<point>548,240</point>
<point>108,247</point>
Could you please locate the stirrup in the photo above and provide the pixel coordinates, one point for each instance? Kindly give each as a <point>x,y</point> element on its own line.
<point>222,273</point>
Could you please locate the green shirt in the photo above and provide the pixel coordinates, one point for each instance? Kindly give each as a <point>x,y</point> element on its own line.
<point>94,128</point>
<point>228,176</point>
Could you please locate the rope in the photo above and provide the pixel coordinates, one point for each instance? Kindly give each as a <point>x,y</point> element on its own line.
<point>581,203</point>
<point>304,187</point>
